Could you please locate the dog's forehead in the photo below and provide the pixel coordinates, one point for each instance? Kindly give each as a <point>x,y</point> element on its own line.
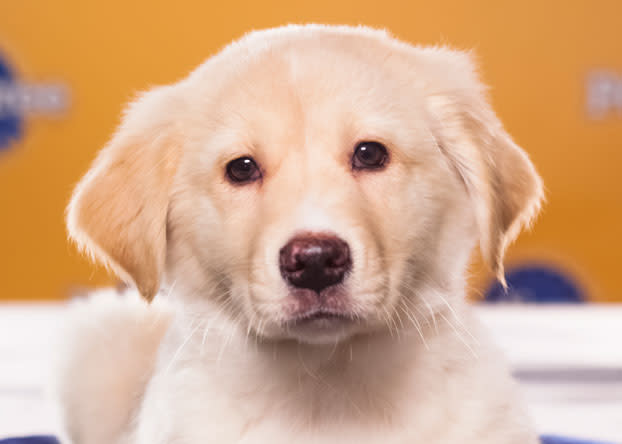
<point>311,72</point>
<point>297,86</point>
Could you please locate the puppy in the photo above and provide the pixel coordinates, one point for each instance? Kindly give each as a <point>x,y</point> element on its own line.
<point>302,207</point>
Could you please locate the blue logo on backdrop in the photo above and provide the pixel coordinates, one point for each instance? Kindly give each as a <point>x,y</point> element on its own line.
<point>19,100</point>
<point>10,120</point>
<point>537,283</point>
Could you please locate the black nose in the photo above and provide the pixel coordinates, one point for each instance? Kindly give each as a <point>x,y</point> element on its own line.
<point>315,261</point>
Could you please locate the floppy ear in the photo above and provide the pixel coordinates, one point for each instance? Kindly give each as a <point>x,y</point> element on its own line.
<point>503,185</point>
<point>118,211</point>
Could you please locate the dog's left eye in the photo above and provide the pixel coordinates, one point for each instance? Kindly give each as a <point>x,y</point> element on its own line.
<point>243,170</point>
<point>369,156</point>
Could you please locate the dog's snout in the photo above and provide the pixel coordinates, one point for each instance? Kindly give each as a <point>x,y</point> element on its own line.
<point>315,261</point>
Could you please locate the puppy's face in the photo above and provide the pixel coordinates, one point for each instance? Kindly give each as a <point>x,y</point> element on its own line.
<point>314,183</point>
<point>310,194</point>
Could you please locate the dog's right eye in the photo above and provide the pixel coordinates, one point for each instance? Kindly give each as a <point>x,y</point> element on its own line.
<point>243,170</point>
<point>369,156</point>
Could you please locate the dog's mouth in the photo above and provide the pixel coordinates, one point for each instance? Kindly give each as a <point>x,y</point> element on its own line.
<point>316,318</point>
<point>320,325</point>
<point>319,315</point>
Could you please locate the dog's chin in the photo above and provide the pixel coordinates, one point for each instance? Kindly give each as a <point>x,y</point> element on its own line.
<point>319,327</point>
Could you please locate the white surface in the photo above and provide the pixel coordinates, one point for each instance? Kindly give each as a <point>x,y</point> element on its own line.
<point>553,335</point>
<point>569,360</point>
<point>27,335</point>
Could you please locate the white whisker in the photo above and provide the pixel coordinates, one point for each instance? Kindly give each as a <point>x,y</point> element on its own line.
<point>179,349</point>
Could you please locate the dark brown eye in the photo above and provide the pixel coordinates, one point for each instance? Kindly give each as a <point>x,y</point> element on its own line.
<point>369,156</point>
<point>243,170</point>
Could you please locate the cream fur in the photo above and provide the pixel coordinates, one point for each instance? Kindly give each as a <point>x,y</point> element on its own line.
<point>210,360</point>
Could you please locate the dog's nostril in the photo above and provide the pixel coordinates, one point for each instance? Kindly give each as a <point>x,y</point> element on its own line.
<point>315,261</point>
<point>296,265</point>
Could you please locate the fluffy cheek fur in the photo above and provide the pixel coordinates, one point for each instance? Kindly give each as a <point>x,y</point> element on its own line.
<point>208,257</point>
<point>426,242</point>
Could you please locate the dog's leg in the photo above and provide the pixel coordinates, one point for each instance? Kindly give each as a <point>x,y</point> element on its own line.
<point>106,358</point>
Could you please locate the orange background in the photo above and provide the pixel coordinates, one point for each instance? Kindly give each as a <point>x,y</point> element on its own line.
<point>535,55</point>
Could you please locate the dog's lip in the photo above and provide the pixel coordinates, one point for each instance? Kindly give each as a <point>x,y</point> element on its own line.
<point>321,315</point>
